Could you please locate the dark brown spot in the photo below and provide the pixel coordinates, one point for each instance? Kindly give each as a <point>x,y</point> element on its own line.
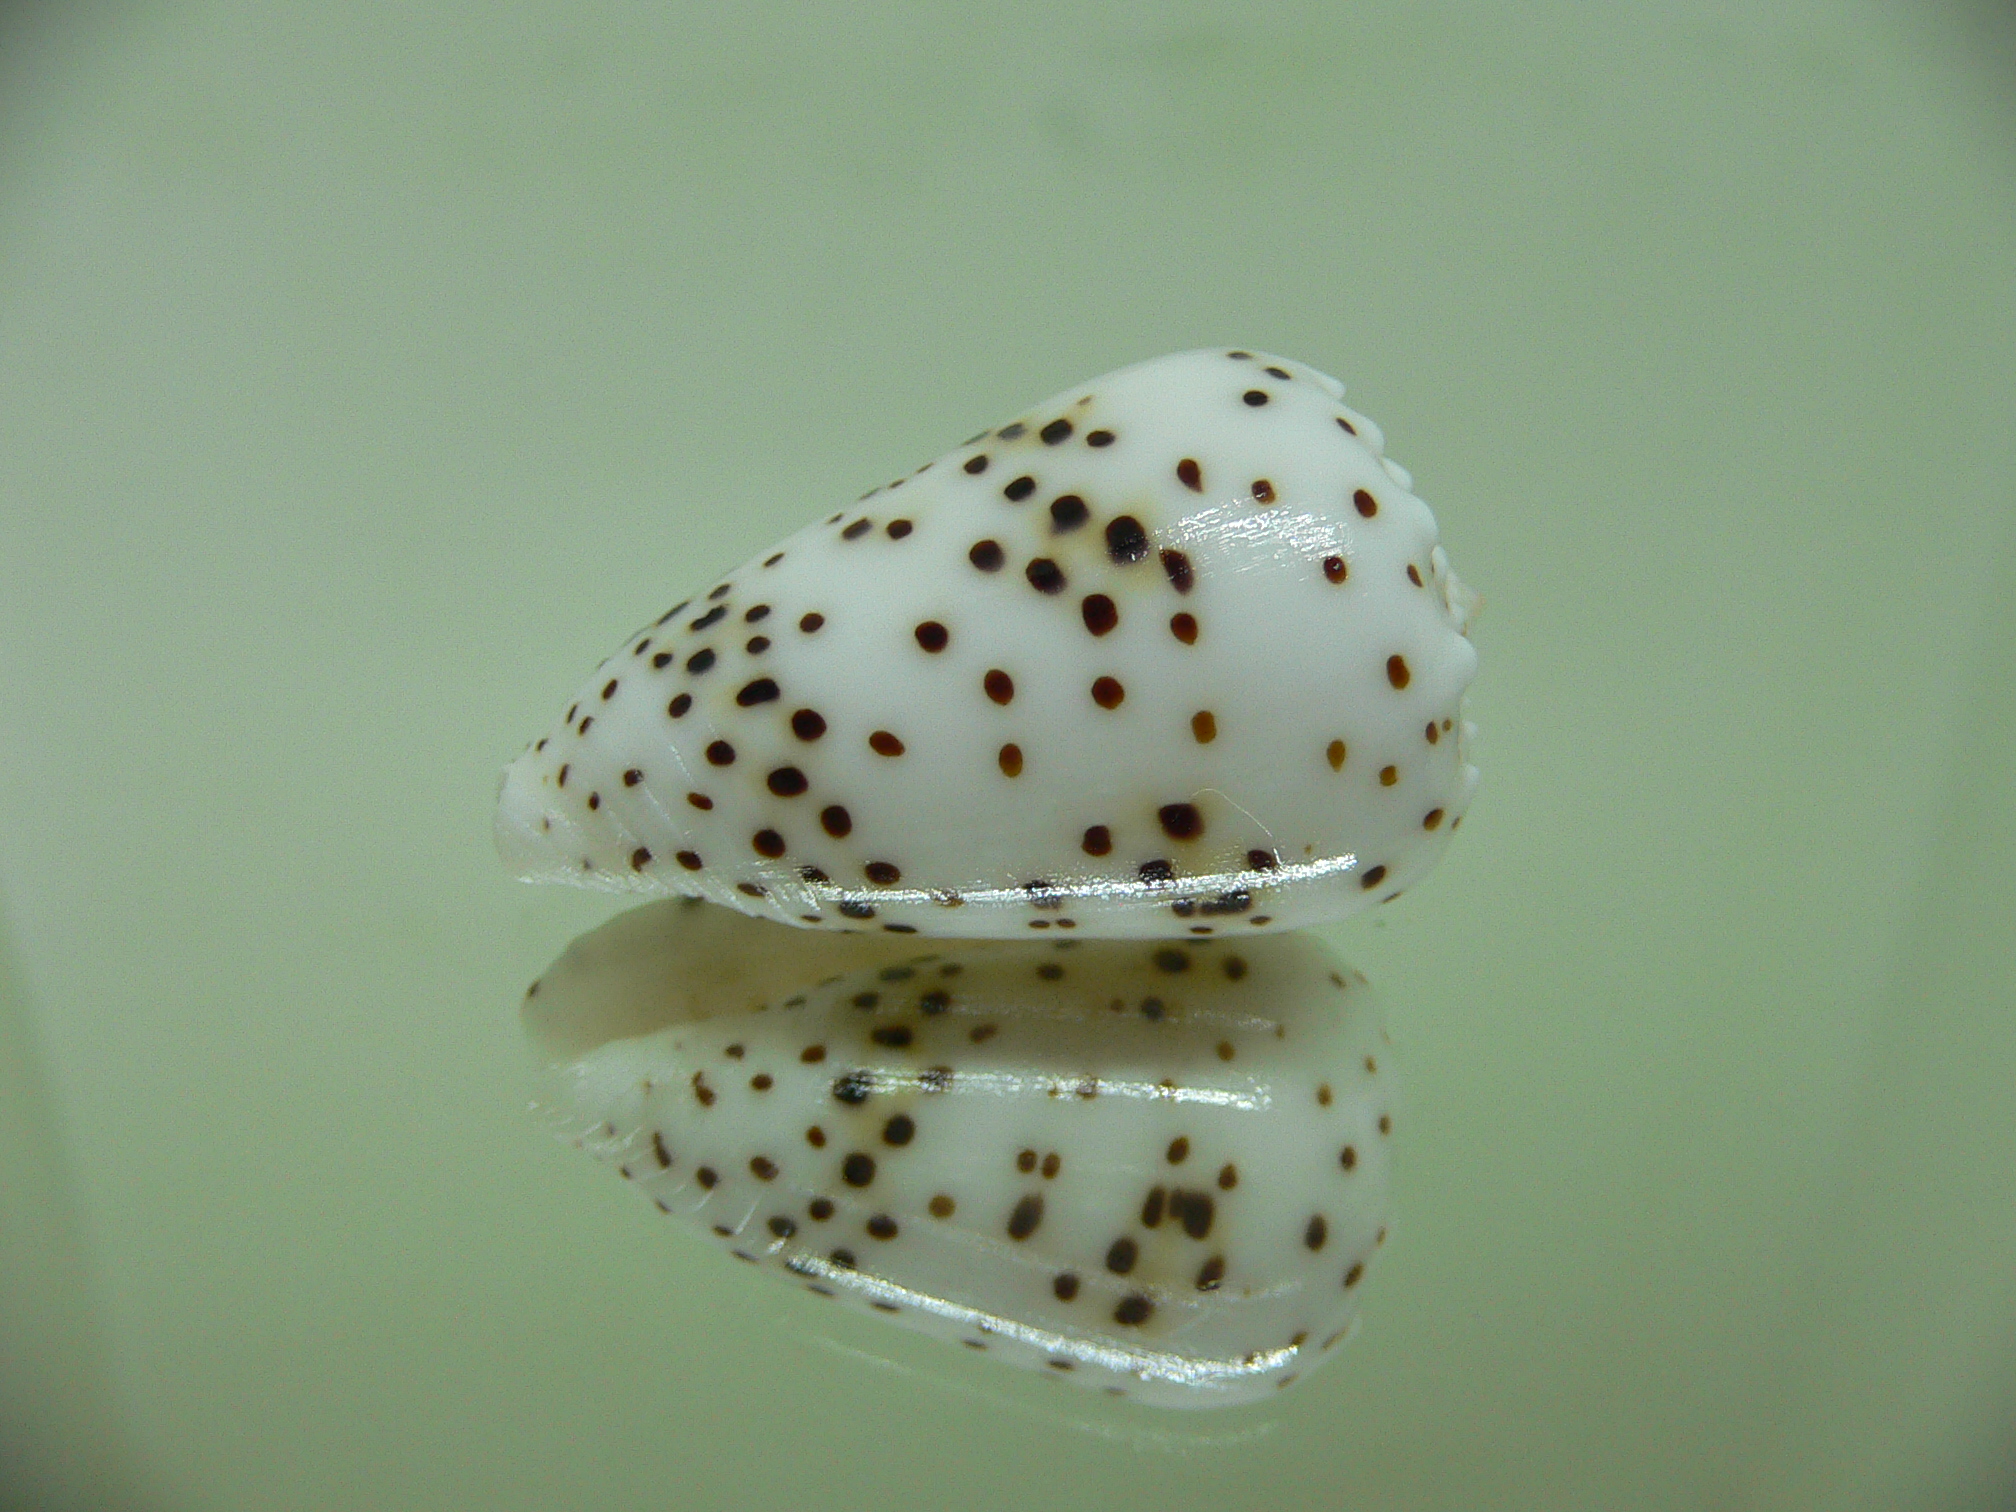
<point>1335,569</point>
<point>1055,431</point>
<point>934,1002</point>
<point>853,908</point>
<point>977,464</point>
<point>1053,1162</point>
<point>1191,474</point>
<point>1396,671</point>
<point>1100,613</point>
<point>1098,841</point>
<point>688,859</point>
<point>1121,1256</point>
<point>1210,1273</point>
<point>609,690</point>
<point>1234,967</point>
<point>787,782</point>
<point>1107,692</point>
<point>720,753</point>
<point>763,1168</point>
<point>1184,628</point>
<point>1181,821</point>
<point>762,690</point>
<point>932,636</point>
<point>1028,1213</point>
<point>1354,1275</point>
<point>1228,1177</point>
<point>882,872</point>
<point>1026,1161</point>
<point>816,1137</point>
<point>1194,1210</point>
<point>858,529</point>
<point>1151,1207</point>
<point>844,1258</point>
<point>706,1176</point>
<point>1255,397</point>
<point>1335,753</point>
<point>810,623</point>
<point>897,529</point>
<point>1348,1158</point>
<point>1385,1123</point>
<point>782,1227</point>
<point>1372,877</point>
<point>1204,726</point>
<point>1156,873</point>
<point>1050,971</point>
<point>1010,757</point>
<point>899,1130</point>
<point>700,661</point>
<point>857,1170</point>
<point>836,821</point>
<point>1323,1094</point>
<point>1178,1151</point>
<point>1010,432</point>
<point>1263,491</point>
<point>1045,576</point>
<point>750,889</point>
<point>812,1054</point>
<point>1181,577</point>
<point>1367,505</point>
<point>820,1209</point>
<point>1067,512</point>
<point>999,685</point>
<point>986,555</point>
<point>1126,541</point>
<point>761,1081</point>
<point>640,858</point>
<point>892,1036</point>
<point>882,743</point>
<point>679,705</point>
<point>1019,489</point>
<point>1431,819</point>
<point>767,842</point>
<point>756,645</point>
<point>1317,1233</point>
<point>808,724</point>
<point>1134,1310</point>
<point>658,1151</point>
<point>1099,438</point>
<point>1065,1286</point>
<point>594,800</point>
<point>882,1226</point>
<point>634,776</point>
<point>942,1206</point>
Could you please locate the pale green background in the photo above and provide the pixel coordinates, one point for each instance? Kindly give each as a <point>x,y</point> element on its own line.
<point>366,371</point>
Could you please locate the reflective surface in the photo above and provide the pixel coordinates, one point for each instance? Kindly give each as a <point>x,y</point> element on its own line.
<point>361,374</point>
<point>1159,1170</point>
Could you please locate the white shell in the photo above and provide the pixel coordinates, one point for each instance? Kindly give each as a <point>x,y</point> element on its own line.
<point>1177,652</point>
<point>1160,1169</point>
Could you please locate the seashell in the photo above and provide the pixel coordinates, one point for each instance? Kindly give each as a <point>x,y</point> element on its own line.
<point>1161,1169</point>
<point>1176,652</point>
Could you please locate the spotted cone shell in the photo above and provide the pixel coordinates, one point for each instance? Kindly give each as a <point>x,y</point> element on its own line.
<point>1176,652</point>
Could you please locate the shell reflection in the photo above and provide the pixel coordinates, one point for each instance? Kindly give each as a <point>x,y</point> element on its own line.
<point>1157,1168</point>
